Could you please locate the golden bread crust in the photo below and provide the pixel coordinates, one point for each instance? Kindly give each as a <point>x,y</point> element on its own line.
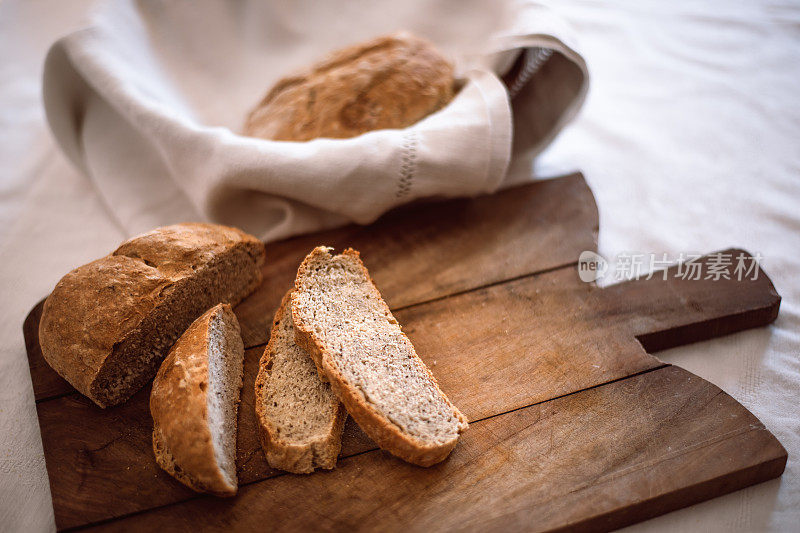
<point>389,82</point>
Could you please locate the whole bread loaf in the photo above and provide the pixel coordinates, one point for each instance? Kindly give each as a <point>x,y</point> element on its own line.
<point>300,419</point>
<point>107,325</point>
<point>388,82</point>
<point>342,321</point>
<point>194,403</point>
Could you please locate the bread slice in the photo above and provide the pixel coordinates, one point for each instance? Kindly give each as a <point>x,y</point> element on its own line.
<point>342,321</point>
<point>108,325</point>
<point>194,404</point>
<point>300,419</point>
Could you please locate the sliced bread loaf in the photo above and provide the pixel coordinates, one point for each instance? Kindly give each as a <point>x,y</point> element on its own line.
<point>107,325</point>
<point>194,404</point>
<point>342,321</point>
<point>300,419</point>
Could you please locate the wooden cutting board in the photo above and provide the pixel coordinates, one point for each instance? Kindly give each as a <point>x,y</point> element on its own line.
<point>573,424</point>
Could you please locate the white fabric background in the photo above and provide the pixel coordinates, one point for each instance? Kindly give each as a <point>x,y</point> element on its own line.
<point>689,139</point>
<point>149,100</point>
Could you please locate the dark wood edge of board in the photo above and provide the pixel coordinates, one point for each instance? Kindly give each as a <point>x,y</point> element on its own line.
<point>699,493</point>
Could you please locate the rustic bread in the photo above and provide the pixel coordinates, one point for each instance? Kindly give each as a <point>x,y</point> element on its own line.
<point>194,403</point>
<point>342,321</point>
<point>108,324</point>
<point>300,419</point>
<point>388,82</point>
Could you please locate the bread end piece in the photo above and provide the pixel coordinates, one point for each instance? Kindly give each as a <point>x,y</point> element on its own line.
<point>371,417</point>
<point>194,404</point>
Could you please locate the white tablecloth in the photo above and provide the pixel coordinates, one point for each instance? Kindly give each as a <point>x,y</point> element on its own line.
<point>689,138</point>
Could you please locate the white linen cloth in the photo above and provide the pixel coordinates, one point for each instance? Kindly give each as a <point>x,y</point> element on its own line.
<point>688,139</point>
<point>148,99</point>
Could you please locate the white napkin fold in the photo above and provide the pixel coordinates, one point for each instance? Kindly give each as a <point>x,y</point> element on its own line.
<point>149,98</point>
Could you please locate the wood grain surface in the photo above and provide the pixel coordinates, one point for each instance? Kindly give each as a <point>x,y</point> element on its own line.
<point>601,458</point>
<point>573,422</point>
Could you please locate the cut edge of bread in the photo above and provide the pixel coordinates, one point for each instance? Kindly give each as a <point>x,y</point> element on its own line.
<point>298,458</point>
<point>167,462</point>
<point>388,435</point>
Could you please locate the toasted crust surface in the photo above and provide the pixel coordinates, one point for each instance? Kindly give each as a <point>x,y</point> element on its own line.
<point>298,453</point>
<point>182,440</point>
<point>330,357</point>
<point>108,324</point>
<point>388,82</point>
